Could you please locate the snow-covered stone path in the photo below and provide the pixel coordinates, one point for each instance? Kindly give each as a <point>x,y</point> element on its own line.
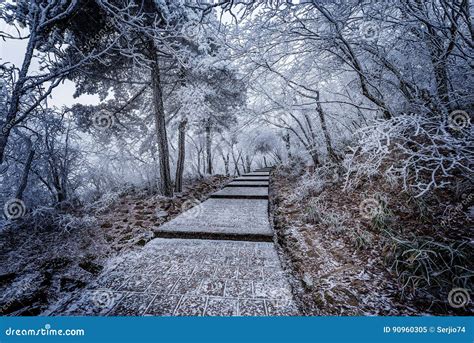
<point>217,258</point>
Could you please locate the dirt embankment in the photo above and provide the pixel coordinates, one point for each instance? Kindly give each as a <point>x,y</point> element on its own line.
<point>343,258</point>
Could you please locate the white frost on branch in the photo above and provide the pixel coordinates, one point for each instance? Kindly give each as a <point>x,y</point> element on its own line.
<point>421,150</point>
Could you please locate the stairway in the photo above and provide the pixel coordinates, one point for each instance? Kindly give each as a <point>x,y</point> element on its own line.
<point>216,259</point>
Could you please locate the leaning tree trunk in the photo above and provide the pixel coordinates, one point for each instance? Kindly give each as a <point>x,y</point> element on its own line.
<point>160,124</point>
<point>242,162</point>
<point>236,163</point>
<point>314,156</point>
<point>178,187</point>
<point>14,103</point>
<point>26,171</point>
<point>208,149</point>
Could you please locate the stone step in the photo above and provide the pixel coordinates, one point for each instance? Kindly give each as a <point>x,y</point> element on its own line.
<point>215,259</point>
<point>257,174</point>
<point>213,235</point>
<point>242,193</point>
<point>247,184</point>
<point>231,219</point>
<point>252,178</point>
<point>176,277</point>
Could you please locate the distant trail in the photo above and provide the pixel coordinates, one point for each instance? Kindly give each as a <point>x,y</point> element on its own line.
<point>217,258</point>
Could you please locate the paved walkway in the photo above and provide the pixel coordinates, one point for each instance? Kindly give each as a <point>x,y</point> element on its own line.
<point>216,259</point>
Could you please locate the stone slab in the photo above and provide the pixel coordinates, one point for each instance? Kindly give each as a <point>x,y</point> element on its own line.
<point>176,277</point>
<point>242,193</point>
<point>221,219</point>
<point>252,178</point>
<point>257,174</point>
<point>247,184</point>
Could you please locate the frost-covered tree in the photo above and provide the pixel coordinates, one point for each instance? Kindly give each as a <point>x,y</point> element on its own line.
<point>44,26</point>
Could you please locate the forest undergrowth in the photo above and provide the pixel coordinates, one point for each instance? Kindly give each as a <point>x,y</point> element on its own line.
<point>50,253</point>
<point>374,249</point>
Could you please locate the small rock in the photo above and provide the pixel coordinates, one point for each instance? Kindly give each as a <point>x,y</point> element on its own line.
<point>56,263</point>
<point>91,267</point>
<point>5,278</point>
<point>308,280</point>
<point>142,242</point>
<point>68,284</point>
<point>161,214</point>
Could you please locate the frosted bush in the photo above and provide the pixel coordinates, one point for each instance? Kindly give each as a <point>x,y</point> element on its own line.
<point>318,212</point>
<point>312,184</point>
<point>361,238</point>
<point>69,222</point>
<point>334,220</point>
<point>309,186</point>
<point>104,202</point>
<point>421,151</point>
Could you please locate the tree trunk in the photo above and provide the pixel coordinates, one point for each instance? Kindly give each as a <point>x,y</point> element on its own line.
<point>208,149</point>
<point>160,125</point>
<point>203,163</point>
<point>56,181</point>
<point>199,164</point>
<point>181,156</point>
<point>26,171</point>
<point>439,57</point>
<point>286,139</point>
<point>314,157</point>
<point>236,163</point>
<point>17,92</point>
<point>441,77</point>
<point>327,138</point>
<point>248,164</point>
<point>226,165</point>
<point>242,162</point>
<point>225,159</point>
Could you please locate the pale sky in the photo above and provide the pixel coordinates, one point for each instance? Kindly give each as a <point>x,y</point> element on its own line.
<point>12,51</point>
